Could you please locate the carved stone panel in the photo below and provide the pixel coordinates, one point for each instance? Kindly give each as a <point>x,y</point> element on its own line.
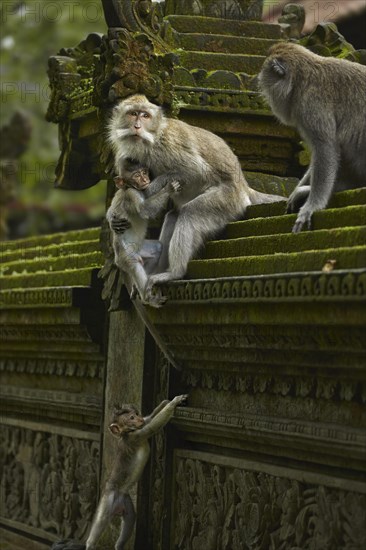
<point>49,481</point>
<point>231,504</point>
<point>225,9</point>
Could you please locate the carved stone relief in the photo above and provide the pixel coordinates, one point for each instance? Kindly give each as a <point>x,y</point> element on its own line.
<point>159,457</point>
<point>221,507</point>
<point>49,481</point>
<point>225,9</point>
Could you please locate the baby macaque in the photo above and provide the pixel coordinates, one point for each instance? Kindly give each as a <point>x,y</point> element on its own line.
<point>132,432</point>
<point>137,200</point>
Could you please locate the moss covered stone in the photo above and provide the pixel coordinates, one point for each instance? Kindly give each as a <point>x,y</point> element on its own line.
<point>289,242</point>
<point>346,258</point>
<point>55,238</point>
<point>210,25</point>
<point>250,64</point>
<point>72,277</point>
<point>44,264</point>
<point>220,43</point>
<point>324,219</point>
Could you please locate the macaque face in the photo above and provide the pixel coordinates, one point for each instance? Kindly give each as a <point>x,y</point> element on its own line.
<point>139,179</point>
<point>126,422</point>
<point>138,119</point>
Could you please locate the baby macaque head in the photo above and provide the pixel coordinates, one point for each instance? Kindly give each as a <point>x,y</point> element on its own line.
<point>136,176</point>
<point>125,419</point>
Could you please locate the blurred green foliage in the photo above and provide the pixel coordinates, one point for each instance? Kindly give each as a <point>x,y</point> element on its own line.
<point>31,31</point>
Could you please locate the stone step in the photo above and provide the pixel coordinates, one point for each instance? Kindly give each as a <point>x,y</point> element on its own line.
<point>89,260</point>
<point>221,43</point>
<point>237,63</point>
<point>350,197</point>
<point>52,250</point>
<point>314,260</point>
<point>68,278</point>
<point>213,25</point>
<point>350,216</point>
<point>288,242</point>
<point>54,238</point>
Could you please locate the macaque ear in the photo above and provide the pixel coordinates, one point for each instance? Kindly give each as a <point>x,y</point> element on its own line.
<point>279,66</point>
<point>114,429</point>
<point>119,182</point>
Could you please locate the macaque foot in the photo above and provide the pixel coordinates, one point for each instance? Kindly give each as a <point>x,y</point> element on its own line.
<point>159,279</point>
<point>154,298</point>
<point>303,219</point>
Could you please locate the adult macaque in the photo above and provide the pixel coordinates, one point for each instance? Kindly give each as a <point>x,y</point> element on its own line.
<point>133,254</point>
<point>132,432</point>
<point>214,190</point>
<point>325,100</point>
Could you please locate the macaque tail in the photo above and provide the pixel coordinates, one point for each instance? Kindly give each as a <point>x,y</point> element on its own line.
<point>256,197</point>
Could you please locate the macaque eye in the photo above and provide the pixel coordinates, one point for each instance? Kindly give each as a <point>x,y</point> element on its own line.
<point>133,113</point>
<point>146,115</point>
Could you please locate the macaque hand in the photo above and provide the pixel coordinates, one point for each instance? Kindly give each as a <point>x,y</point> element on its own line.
<point>175,187</point>
<point>120,225</point>
<point>180,400</point>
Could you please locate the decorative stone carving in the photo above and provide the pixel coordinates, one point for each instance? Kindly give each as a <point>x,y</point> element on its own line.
<point>49,481</point>
<point>325,286</point>
<point>133,15</point>
<point>326,40</point>
<point>223,507</point>
<point>292,20</point>
<point>225,9</point>
<point>129,64</point>
<point>303,387</point>
<point>159,458</point>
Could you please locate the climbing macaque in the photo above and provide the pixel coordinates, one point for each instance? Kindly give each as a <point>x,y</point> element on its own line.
<point>133,254</point>
<point>324,99</point>
<point>132,432</point>
<point>213,188</point>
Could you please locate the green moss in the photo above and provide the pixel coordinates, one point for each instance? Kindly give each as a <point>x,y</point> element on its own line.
<point>346,258</point>
<point>211,25</point>
<point>72,277</point>
<point>225,44</point>
<point>289,242</point>
<point>72,261</point>
<point>53,250</point>
<point>56,238</point>
<point>351,216</point>
<point>348,198</point>
<point>250,64</point>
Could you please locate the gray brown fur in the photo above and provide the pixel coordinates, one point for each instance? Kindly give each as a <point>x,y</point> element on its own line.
<point>213,188</point>
<point>325,100</point>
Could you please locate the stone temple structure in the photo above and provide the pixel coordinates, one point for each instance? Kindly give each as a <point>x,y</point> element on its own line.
<point>266,333</point>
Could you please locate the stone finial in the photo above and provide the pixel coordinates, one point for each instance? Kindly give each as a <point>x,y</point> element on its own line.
<point>292,20</point>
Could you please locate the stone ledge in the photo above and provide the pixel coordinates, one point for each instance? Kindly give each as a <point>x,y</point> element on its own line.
<point>305,287</point>
<point>52,297</point>
<point>293,436</point>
